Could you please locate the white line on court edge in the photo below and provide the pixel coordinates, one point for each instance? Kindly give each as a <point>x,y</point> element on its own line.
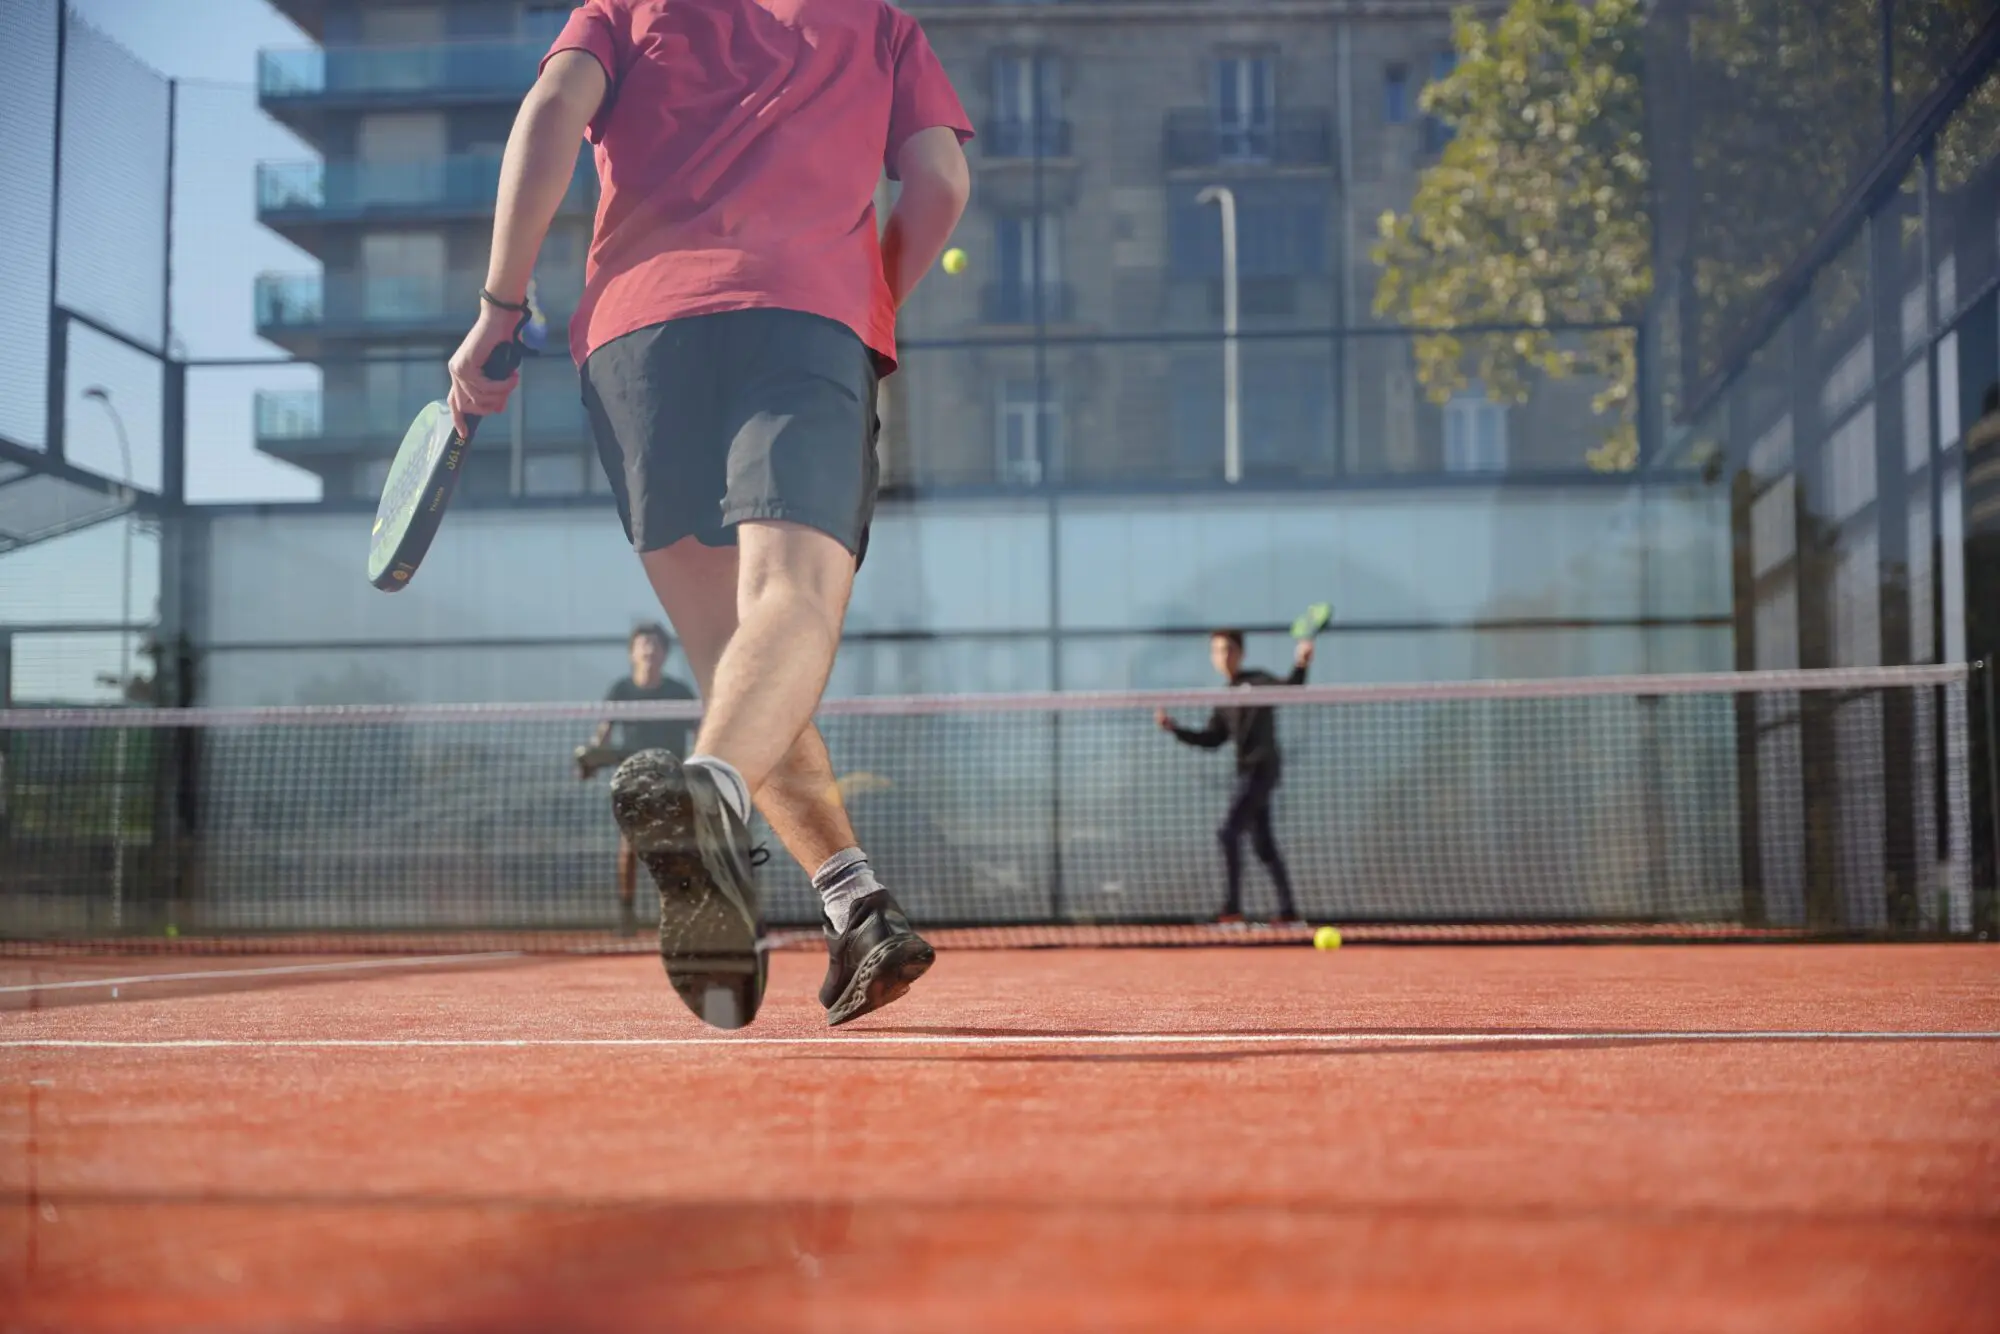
<point>277,971</point>
<point>1011,1040</point>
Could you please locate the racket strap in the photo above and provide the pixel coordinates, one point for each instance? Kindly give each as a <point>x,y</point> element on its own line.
<point>520,308</point>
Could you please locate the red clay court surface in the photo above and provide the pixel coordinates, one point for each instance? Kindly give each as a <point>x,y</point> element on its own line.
<point>1479,1139</point>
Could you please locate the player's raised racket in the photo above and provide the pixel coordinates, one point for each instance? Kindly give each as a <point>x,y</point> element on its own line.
<point>1314,620</point>
<point>420,483</point>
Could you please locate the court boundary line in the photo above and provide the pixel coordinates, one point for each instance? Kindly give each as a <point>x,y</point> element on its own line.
<point>1547,1037</point>
<point>276,970</point>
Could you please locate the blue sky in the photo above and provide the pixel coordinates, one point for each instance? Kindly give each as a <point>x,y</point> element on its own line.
<point>219,250</point>
<point>219,247</point>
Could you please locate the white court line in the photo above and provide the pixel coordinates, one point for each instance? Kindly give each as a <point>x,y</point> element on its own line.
<point>1552,1038</point>
<point>282,970</point>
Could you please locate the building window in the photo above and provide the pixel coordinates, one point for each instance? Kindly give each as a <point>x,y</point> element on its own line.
<point>369,475</point>
<point>395,383</point>
<point>1027,432</point>
<point>402,276</point>
<point>552,474</point>
<point>1436,132</point>
<point>1396,95</point>
<point>402,25</point>
<point>1286,408</point>
<point>1246,107</point>
<point>1475,433</point>
<point>1281,230</point>
<point>1026,252</point>
<point>542,23</point>
<point>1027,118</point>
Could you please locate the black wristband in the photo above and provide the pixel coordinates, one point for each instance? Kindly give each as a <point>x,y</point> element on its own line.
<point>493,300</point>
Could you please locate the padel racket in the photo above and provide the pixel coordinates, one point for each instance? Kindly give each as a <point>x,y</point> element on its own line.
<point>421,480</point>
<point>1312,621</point>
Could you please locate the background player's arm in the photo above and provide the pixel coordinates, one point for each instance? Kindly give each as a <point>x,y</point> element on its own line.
<point>1208,738</point>
<point>534,176</point>
<point>1302,657</point>
<point>936,186</point>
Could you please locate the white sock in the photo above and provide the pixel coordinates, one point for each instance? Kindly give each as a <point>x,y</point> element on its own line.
<point>843,880</point>
<point>727,781</point>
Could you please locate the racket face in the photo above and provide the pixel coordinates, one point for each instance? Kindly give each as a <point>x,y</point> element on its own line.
<point>1314,620</point>
<point>420,481</point>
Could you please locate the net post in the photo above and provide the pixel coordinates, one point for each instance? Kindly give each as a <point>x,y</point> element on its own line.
<point>1983,925</point>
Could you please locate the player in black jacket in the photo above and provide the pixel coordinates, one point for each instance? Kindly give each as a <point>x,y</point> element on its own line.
<point>1254,729</point>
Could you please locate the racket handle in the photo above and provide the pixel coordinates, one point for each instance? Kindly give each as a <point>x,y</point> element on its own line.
<point>501,362</point>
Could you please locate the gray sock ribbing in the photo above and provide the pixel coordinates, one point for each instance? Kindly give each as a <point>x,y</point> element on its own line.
<point>843,880</point>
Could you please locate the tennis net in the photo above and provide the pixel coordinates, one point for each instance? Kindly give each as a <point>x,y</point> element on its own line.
<point>1741,803</point>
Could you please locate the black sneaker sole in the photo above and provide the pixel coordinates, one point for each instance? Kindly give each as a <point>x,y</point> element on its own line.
<point>889,971</point>
<point>708,943</point>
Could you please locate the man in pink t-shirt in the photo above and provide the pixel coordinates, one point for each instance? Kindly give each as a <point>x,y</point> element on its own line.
<point>738,312</point>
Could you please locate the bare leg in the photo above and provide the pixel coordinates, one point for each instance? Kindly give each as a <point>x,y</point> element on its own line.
<point>792,585</point>
<point>697,587</point>
<point>762,664</point>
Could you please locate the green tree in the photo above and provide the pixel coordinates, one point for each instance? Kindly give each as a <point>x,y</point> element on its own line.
<point>1536,212</point>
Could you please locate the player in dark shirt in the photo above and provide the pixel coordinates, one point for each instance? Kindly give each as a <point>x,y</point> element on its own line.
<point>650,645</point>
<point>1254,729</point>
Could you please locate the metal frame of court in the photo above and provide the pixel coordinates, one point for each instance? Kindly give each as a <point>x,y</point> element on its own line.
<point>91,498</point>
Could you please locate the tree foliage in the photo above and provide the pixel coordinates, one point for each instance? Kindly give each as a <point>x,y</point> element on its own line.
<point>1539,210</point>
<point>1536,212</point>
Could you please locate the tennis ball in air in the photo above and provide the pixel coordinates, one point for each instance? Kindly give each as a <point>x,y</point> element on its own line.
<point>172,931</point>
<point>1326,938</point>
<point>954,260</point>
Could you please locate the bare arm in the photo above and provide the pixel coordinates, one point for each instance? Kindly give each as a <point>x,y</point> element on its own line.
<point>534,175</point>
<point>936,186</point>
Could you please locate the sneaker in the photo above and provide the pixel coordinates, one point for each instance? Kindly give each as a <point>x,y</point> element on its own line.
<point>699,856</point>
<point>873,962</point>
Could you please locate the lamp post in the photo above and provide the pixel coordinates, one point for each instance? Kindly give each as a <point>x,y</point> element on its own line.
<point>97,393</point>
<point>1232,421</point>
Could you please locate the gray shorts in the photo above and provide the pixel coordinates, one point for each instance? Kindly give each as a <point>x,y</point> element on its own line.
<point>704,422</point>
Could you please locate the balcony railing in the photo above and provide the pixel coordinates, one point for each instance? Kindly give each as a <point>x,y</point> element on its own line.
<point>365,303</point>
<point>340,420</point>
<point>288,414</point>
<point>1015,303</point>
<point>1195,138</point>
<point>1010,139</point>
<point>449,69</point>
<point>346,186</point>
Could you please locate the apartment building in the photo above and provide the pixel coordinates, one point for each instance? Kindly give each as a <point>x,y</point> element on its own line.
<point>408,106</point>
<point>1083,347</point>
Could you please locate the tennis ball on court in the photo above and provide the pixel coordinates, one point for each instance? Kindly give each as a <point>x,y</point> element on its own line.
<point>1326,938</point>
<point>955,260</point>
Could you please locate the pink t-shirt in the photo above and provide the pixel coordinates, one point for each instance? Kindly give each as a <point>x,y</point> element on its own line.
<point>739,147</point>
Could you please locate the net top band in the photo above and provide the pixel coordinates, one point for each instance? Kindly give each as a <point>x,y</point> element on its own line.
<point>1838,679</point>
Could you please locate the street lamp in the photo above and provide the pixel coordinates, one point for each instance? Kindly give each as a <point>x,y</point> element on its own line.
<point>1232,421</point>
<point>97,393</point>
